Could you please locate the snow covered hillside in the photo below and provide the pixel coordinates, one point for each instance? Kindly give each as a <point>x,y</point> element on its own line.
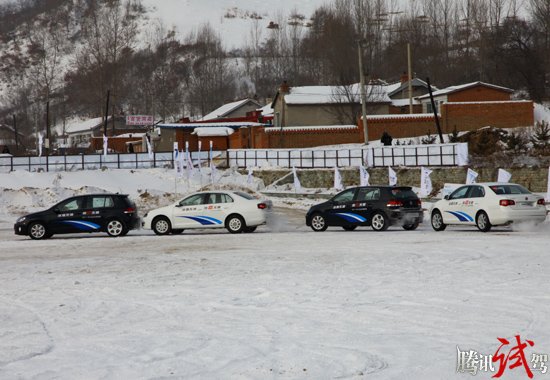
<point>233,20</point>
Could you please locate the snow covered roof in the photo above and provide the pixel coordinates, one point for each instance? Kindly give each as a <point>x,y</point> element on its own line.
<point>401,116</point>
<point>267,110</point>
<point>451,89</point>
<point>212,131</point>
<point>77,125</point>
<point>336,94</point>
<point>309,128</point>
<point>129,135</point>
<point>227,109</point>
<point>229,124</point>
<point>400,86</point>
<point>403,102</point>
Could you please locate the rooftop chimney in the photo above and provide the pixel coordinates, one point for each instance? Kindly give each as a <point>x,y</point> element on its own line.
<point>404,77</point>
<point>284,88</point>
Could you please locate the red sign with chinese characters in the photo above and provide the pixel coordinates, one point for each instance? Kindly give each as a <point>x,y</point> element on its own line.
<point>139,120</point>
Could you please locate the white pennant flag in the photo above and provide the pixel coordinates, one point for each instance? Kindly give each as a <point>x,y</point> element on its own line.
<point>504,176</point>
<point>297,184</point>
<point>425,182</point>
<point>181,163</point>
<point>188,158</point>
<point>176,158</point>
<point>392,176</point>
<point>40,143</point>
<point>338,180</point>
<point>149,147</point>
<point>363,176</point>
<point>548,187</point>
<point>471,177</point>
<point>199,159</point>
<point>249,178</point>
<point>105,145</point>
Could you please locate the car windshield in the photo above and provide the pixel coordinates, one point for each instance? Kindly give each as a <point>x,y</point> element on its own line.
<point>403,193</point>
<point>245,195</point>
<point>509,189</point>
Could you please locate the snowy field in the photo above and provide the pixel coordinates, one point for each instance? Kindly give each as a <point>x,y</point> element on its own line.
<point>281,303</point>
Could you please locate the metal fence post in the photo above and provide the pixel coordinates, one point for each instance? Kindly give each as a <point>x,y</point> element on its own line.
<point>11,163</point>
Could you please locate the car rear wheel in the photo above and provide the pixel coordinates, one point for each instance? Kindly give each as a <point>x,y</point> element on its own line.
<point>176,231</point>
<point>482,221</point>
<point>410,227</point>
<point>318,223</point>
<point>235,224</point>
<point>38,231</point>
<point>161,225</point>
<point>249,229</point>
<point>349,228</point>
<point>379,222</point>
<point>437,221</point>
<point>115,228</point>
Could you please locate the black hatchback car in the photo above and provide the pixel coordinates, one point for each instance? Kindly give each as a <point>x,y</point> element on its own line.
<point>376,206</point>
<point>115,214</point>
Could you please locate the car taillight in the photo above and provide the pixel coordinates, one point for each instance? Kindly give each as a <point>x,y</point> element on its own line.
<point>129,210</point>
<point>394,204</point>
<point>262,206</point>
<point>419,203</point>
<point>541,202</point>
<point>507,202</point>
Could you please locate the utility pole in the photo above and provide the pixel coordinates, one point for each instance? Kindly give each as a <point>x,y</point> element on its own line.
<point>409,64</point>
<point>47,142</point>
<point>16,139</point>
<point>363,92</point>
<point>106,113</point>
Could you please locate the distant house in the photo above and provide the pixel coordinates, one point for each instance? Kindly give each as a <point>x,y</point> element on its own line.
<point>77,135</point>
<point>469,92</point>
<point>337,105</point>
<point>232,110</point>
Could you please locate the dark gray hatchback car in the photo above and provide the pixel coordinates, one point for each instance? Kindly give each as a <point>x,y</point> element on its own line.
<point>375,206</point>
<point>115,214</point>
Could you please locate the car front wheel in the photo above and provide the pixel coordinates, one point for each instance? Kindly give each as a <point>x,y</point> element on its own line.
<point>482,222</point>
<point>318,223</point>
<point>379,222</point>
<point>38,231</point>
<point>437,221</point>
<point>115,228</point>
<point>161,225</point>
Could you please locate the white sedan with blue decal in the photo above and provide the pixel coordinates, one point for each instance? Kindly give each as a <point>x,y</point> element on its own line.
<point>488,204</point>
<point>234,210</point>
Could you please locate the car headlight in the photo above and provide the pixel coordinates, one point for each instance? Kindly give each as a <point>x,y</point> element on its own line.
<point>21,219</point>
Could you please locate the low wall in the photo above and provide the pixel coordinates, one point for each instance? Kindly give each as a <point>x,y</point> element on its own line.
<point>535,179</point>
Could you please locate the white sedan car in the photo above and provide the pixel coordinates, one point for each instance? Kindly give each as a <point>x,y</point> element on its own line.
<point>486,205</point>
<point>234,210</point>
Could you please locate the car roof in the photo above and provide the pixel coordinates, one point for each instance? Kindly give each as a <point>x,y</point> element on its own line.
<point>493,183</point>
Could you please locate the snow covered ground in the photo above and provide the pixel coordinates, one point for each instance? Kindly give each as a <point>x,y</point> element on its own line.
<point>283,302</point>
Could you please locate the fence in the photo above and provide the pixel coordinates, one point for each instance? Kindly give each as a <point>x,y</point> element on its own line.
<point>401,155</point>
<point>92,161</point>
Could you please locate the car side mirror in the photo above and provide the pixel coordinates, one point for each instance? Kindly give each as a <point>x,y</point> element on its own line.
<point>446,197</point>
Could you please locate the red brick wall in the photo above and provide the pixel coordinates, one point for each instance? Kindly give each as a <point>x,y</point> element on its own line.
<point>479,94</point>
<point>403,110</point>
<point>472,116</point>
<point>309,138</point>
<point>399,127</point>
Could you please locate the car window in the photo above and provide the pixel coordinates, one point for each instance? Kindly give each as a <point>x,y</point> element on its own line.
<point>193,200</point>
<point>345,196</point>
<point>100,202</point>
<point>476,192</point>
<point>403,193</point>
<point>70,205</point>
<point>461,192</point>
<point>218,198</point>
<point>509,189</point>
<point>245,195</point>
<point>368,194</point>
<point>226,198</point>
